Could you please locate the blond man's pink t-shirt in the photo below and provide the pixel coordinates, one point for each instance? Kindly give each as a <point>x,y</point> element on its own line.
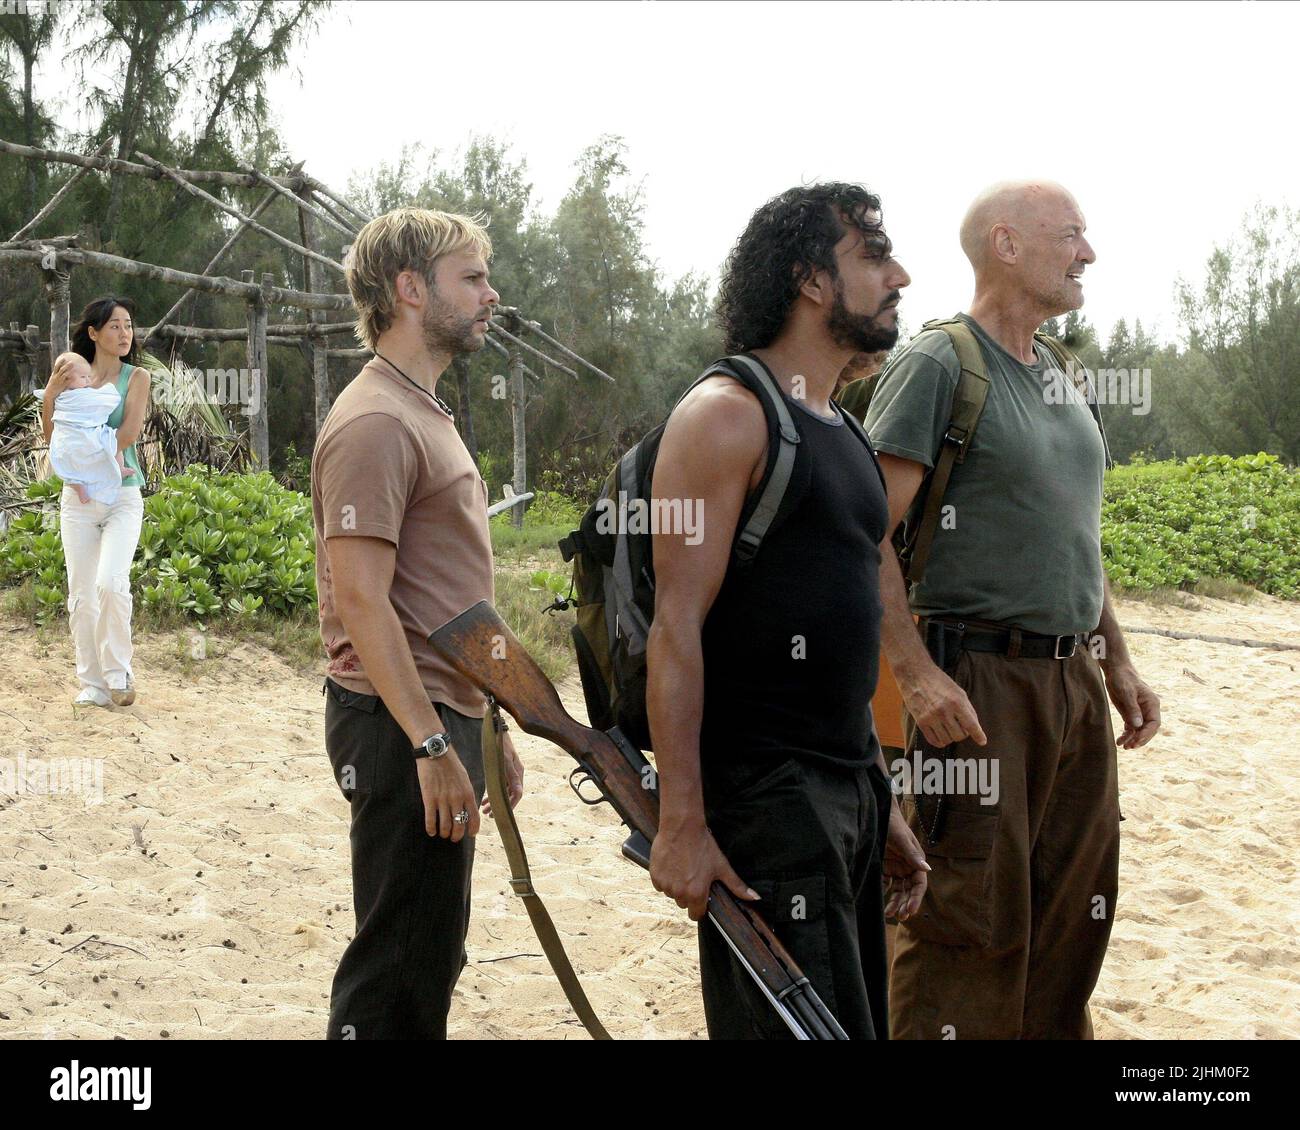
<point>389,463</point>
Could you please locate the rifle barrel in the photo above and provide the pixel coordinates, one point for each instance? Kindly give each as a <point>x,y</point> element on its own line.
<point>828,1017</point>
<point>800,1004</point>
<point>794,1023</point>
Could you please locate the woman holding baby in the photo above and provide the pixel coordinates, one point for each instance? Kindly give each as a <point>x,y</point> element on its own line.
<point>92,413</point>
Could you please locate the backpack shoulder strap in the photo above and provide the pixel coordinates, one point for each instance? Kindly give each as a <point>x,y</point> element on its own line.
<point>767,498</point>
<point>1070,364</point>
<point>967,406</point>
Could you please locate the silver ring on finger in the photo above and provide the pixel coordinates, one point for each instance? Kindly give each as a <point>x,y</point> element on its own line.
<point>462,817</point>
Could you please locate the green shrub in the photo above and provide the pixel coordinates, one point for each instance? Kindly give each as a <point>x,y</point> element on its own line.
<point>549,517</point>
<point>296,474</point>
<point>211,544</point>
<point>580,477</point>
<point>549,508</point>
<point>1209,517</point>
<point>31,552</point>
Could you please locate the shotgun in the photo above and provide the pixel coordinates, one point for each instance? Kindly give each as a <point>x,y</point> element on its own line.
<point>481,646</point>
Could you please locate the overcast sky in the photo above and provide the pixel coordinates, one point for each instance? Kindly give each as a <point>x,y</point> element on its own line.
<point>1167,121</point>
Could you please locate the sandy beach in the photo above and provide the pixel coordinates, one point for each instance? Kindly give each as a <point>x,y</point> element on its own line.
<point>208,894</point>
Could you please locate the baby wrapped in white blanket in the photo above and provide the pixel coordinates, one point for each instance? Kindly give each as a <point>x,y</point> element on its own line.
<point>83,448</point>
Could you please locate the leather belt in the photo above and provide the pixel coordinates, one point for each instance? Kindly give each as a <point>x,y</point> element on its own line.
<point>1011,642</point>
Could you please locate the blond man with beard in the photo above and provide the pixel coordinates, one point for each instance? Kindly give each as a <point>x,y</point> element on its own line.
<point>402,545</point>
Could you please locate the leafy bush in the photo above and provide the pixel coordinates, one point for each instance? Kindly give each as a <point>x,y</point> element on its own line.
<point>211,544</point>
<point>296,474</point>
<point>1211,516</point>
<point>549,517</point>
<point>549,508</point>
<point>557,583</point>
<point>31,547</point>
<point>578,477</point>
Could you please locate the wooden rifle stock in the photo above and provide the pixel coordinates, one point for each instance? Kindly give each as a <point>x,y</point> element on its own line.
<point>481,646</point>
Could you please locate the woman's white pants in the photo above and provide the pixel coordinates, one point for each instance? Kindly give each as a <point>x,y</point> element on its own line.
<point>99,542</point>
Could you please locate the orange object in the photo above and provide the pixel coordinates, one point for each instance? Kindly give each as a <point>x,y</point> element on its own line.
<point>887,708</point>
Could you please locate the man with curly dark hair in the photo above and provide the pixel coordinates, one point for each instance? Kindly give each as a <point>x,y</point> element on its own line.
<point>760,675</point>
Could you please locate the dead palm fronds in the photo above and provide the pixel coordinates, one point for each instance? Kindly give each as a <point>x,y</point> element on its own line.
<point>184,426</point>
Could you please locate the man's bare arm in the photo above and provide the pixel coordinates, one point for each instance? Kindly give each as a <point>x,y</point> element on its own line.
<point>361,570</point>
<point>1136,702</point>
<point>939,706</point>
<point>711,451</point>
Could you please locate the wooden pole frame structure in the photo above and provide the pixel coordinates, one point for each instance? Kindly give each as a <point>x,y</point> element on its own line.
<point>320,361</point>
<point>57,256</point>
<point>259,430</point>
<point>30,225</point>
<point>518,416</point>
<point>27,344</point>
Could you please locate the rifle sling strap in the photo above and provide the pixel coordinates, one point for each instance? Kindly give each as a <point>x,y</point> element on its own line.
<point>521,879</point>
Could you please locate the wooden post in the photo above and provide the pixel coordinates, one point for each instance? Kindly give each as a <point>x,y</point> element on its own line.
<point>518,343</point>
<point>466,417</point>
<point>25,357</point>
<point>58,289</point>
<point>518,404</point>
<point>30,353</point>
<point>258,428</point>
<point>313,280</point>
<point>303,193</point>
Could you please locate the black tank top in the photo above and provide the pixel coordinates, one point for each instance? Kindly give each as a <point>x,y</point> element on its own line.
<point>791,645</point>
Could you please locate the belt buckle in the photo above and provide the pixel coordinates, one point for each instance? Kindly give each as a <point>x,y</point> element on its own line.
<point>1056,651</point>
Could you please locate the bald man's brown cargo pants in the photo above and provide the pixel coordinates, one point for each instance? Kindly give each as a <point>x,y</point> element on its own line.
<point>1013,929</point>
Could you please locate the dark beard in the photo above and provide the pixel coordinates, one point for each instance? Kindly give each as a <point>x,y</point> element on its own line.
<point>859,332</point>
<point>447,332</point>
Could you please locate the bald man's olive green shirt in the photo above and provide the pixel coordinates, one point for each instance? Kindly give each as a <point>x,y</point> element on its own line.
<point>1020,537</point>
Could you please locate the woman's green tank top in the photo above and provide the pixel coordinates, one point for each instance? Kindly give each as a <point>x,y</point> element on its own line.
<point>136,478</point>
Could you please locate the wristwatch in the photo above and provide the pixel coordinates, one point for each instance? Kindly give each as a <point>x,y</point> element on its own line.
<point>436,746</point>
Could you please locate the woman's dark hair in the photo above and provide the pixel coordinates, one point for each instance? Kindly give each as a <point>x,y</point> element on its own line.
<point>95,317</point>
<point>787,240</point>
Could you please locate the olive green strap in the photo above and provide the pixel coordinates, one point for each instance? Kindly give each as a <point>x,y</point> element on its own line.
<point>1071,365</point>
<point>521,879</point>
<point>967,405</point>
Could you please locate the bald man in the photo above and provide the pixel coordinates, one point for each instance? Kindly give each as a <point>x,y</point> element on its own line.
<point>1006,683</point>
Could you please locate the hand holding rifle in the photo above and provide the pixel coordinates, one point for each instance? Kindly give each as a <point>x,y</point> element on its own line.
<point>685,862</point>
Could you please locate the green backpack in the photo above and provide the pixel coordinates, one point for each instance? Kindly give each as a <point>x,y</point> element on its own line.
<point>964,416</point>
